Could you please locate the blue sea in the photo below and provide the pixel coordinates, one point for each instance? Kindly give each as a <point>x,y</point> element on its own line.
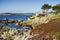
<point>15,16</point>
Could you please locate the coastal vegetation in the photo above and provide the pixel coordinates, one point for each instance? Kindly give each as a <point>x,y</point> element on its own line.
<point>45,26</point>
<point>46,7</point>
<point>56,8</point>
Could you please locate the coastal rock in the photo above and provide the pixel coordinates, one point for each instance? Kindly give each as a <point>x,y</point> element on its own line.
<point>48,29</point>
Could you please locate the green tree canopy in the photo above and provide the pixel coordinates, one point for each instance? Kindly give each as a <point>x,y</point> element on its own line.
<point>56,8</point>
<point>46,7</point>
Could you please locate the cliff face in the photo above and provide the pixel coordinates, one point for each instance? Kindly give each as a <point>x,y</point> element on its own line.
<point>53,25</point>
<point>49,28</point>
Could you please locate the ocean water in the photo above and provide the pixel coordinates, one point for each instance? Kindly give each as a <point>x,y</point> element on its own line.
<point>15,17</point>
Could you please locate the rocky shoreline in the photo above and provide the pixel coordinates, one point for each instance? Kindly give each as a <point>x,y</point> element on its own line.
<point>34,22</point>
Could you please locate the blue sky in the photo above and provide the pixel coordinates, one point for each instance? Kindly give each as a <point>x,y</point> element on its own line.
<point>24,6</point>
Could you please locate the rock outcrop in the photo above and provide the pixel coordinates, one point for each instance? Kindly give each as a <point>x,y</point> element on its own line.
<point>47,29</point>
